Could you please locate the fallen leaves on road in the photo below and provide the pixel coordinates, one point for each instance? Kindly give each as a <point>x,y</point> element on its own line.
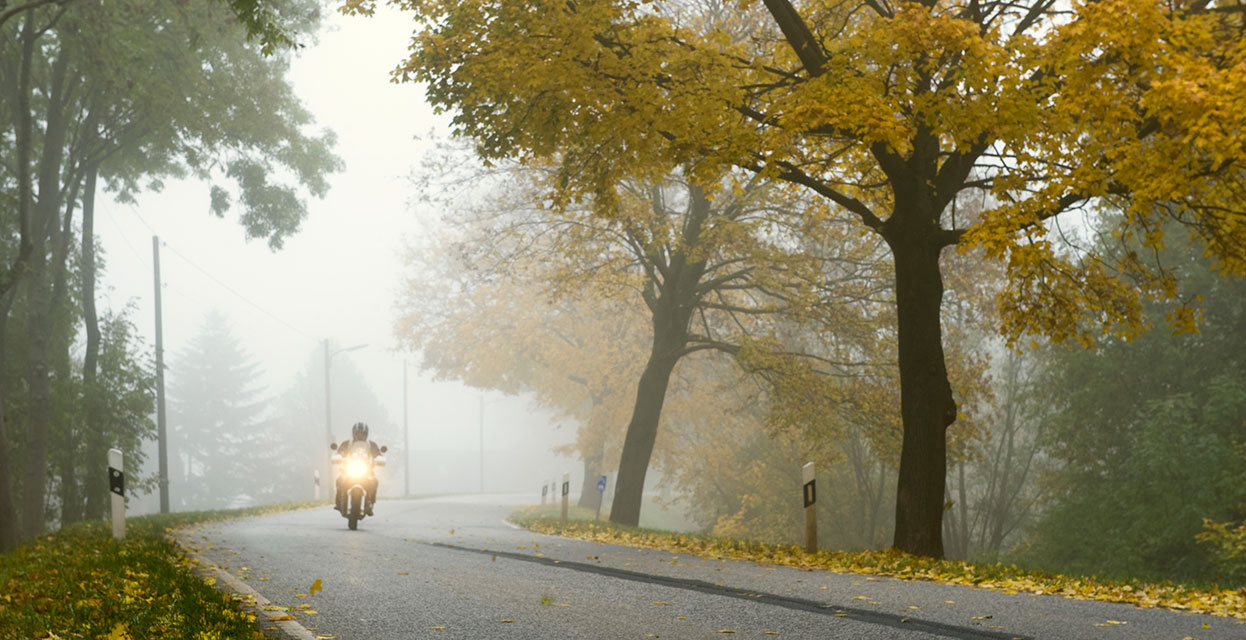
<point>316,586</point>
<point>1009,579</point>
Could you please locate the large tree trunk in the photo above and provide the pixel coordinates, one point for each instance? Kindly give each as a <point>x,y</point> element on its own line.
<point>642,431</point>
<point>95,485</point>
<point>18,92</point>
<point>8,509</point>
<point>590,497</point>
<point>39,415</point>
<point>39,305</point>
<point>926,404</point>
<point>672,302</point>
<point>23,132</point>
<point>66,449</point>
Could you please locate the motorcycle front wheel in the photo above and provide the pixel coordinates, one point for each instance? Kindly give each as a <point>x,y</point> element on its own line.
<point>356,508</point>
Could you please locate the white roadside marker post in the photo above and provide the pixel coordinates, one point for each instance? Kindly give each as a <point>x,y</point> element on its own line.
<point>566,489</point>
<point>116,485</point>
<point>811,509</point>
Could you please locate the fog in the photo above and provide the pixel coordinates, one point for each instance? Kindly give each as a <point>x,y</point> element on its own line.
<point>333,280</point>
<point>699,334</point>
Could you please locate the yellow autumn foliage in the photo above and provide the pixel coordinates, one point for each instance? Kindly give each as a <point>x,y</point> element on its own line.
<point>1216,601</point>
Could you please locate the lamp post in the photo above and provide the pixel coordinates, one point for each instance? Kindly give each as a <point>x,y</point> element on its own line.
<point>406,438</point>
<point>328,406</point>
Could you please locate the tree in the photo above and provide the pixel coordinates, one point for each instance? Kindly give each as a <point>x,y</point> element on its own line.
<point>208,104</point>
<point>890,113</point>
<point>1144,458</point>
<point>217,413</point>
<point>502,332</point>
<point>110,409</point>
<point>706,261</point>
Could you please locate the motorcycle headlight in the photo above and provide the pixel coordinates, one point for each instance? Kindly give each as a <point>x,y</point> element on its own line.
<point>356,468</point>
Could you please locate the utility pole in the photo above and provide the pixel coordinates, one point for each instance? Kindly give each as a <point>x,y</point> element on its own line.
<point>482,442</point>
<point>161,434</point>
<point>328,407</point>
<point>406,438</point>
<point>328,420</point>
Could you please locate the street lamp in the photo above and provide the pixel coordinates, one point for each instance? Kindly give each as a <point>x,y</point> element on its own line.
<point>328,406</point>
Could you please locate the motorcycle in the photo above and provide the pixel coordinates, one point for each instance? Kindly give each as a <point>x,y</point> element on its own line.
<point>357,470</point>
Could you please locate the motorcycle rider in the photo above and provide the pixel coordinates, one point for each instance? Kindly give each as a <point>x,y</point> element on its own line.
<point>358,433</point>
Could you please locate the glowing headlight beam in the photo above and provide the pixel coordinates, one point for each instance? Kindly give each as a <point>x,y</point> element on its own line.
<point>356,468</point>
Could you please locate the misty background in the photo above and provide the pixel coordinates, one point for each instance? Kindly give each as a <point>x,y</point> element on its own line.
<point>521,331</point>
<point>335,279</point>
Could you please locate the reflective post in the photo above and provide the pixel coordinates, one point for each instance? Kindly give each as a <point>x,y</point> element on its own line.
<point>811,509</point>
<point>566,488</point>
<point>116,486</point>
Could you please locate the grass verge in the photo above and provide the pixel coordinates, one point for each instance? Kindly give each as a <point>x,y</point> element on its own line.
<point>80,583</point>
<point>1008,578</point>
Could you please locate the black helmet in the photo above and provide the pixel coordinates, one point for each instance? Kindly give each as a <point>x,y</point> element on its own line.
<point>359,431</point>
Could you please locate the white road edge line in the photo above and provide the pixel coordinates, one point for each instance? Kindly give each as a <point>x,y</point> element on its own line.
<point>512,525</point>
<point>289,628</point>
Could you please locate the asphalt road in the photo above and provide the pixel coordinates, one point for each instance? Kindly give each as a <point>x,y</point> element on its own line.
<point>452,568</point>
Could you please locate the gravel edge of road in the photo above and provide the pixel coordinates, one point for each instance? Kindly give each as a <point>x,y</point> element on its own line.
<point>253,602</point>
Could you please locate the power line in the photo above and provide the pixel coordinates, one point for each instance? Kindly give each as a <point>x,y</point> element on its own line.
<point>121,231</point>
<point>236,294</point>
<point>207,274</point>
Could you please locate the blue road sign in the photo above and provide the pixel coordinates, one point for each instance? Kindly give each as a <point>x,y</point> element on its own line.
<point>601,483</point>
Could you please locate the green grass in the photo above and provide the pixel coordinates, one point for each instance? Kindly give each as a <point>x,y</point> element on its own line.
<point>80,583</point>
<point>1008,578</point>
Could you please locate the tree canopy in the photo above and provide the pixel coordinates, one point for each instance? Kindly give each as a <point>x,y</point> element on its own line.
<point>893,113</point>
<point>207,104</point>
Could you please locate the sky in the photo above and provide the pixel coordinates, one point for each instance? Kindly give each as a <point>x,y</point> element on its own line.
<point>338,277</point>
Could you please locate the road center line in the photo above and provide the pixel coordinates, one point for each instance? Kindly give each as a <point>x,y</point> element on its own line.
<point>787,602</point>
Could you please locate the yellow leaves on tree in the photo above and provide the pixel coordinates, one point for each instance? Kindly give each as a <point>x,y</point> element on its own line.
<point>890,112</point>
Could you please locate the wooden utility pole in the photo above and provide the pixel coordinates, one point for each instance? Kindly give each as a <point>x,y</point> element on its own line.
<point>406,437</point>
<point>161,432</point>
